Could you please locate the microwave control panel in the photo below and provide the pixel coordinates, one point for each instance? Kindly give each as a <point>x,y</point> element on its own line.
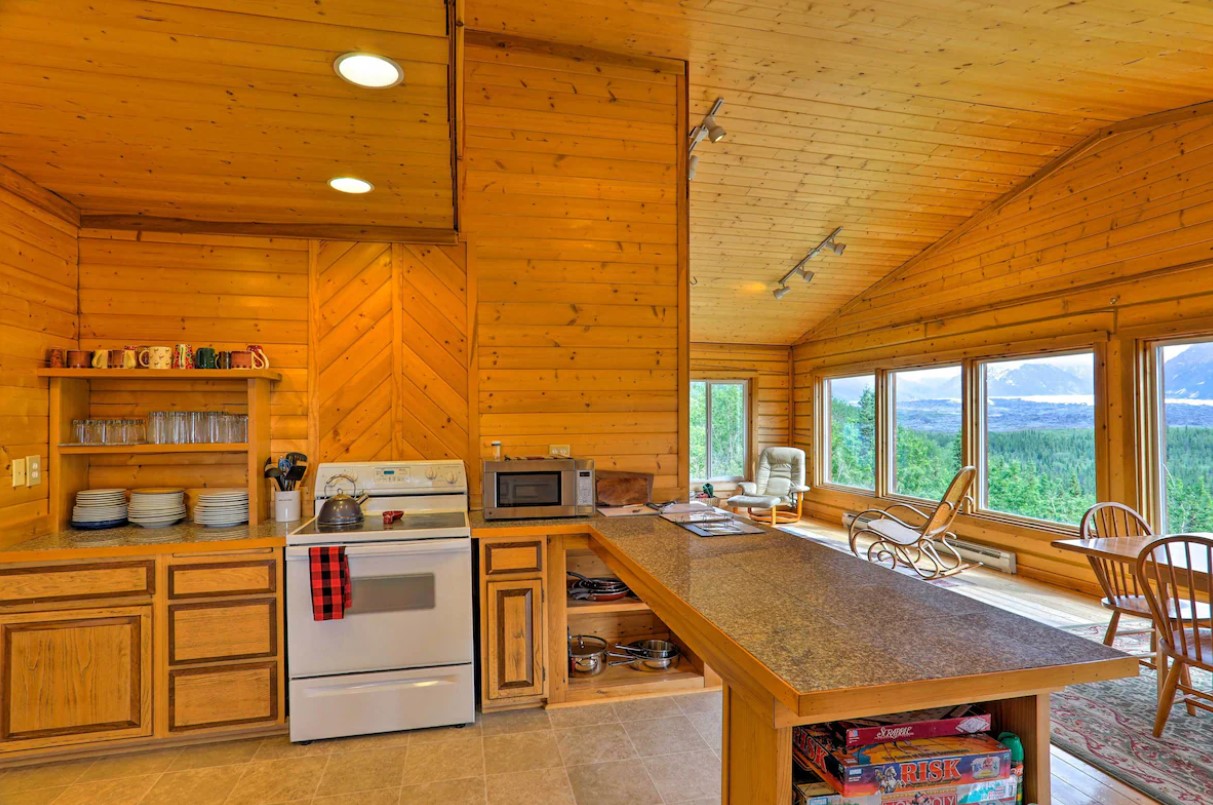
<point>585,487</point>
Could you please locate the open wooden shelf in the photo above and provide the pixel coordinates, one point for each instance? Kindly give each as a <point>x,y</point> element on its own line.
<point>162,374</point>
<point>148,449</point>
<point>622,680</point>
<point>629,604</point>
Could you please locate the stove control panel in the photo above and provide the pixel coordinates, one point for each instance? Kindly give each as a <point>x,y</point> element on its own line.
<point>399,477</point>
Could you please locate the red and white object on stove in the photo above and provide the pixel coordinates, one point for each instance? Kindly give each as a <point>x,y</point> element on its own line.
<point>400,658</point>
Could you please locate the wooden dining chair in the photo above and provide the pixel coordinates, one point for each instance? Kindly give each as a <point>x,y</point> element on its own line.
<point>1121,592</point>
<point>1174,575</point>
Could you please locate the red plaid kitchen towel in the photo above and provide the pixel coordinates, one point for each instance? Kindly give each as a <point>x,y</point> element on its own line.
<point>330,582</point>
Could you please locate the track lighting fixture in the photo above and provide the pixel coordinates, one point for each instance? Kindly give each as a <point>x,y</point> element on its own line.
<point>828,243</point>
<point>708,129</point>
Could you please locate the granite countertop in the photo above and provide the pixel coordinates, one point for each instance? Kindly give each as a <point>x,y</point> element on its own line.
<point>121,540</point>
<point>823,620</point>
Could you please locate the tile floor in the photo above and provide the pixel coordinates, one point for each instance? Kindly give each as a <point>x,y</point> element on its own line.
<point>642,752</point>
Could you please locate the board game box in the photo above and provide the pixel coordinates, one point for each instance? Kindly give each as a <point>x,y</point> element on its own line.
<point>936,723</point>
<point>891,768</point>
<point>995,792</point>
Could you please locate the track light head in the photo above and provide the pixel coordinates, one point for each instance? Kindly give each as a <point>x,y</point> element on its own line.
<point>837,248</point>
<point>715,131</point>
<point>807,275</point>
<point>781,291</point>
<point>692,166</point>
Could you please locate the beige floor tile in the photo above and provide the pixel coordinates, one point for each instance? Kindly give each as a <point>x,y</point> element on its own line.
<point>29,778</point>
<point>711,702</point>
<point>535,787</point>
<point>382,796</point>
<point>664,736</point>
<point>516,721</point>
<point>122,791</point>
<point>362,743</point>
<point>585,716</point>
<point>704,801</point>
<point>449,759</point>
<point>685,777</point>
<point>598,744</point>
<point>194,786</point>
<point>709,726</point>
<point>130,765</point>
<point>437,734</point>
<point>280,748</point>
<point>468,791</point>
<point>347,772</point>
<point>274,781</point>
<point>624,783</point>
<point>36,796</point>
<point>228,753</point>
<point>520,752</point>
<point>647,709</point>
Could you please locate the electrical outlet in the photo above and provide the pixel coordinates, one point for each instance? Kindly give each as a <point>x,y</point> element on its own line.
<point>18,472</point>
<point>558,450</point>
<point>33,470</point>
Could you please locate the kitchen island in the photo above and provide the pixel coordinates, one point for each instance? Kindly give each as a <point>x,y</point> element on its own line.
<point>801,634</point>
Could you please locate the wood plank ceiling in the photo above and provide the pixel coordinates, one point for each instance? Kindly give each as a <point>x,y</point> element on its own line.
<point>228,110</point>
<point>896,119</point>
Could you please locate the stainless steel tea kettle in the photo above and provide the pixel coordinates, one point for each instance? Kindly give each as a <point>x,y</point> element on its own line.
<point>341,510</point>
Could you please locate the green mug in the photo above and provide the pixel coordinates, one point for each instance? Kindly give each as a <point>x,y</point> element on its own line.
<point>204,358</point>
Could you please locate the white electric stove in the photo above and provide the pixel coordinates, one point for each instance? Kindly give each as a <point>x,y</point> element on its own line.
<point>401,658</point>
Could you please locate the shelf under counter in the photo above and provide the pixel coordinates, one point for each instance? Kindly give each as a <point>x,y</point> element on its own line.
<point>622,681</point>
<point>629,604</point>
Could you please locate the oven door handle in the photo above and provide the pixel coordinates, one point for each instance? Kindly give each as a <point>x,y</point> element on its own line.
<point>460,545</point>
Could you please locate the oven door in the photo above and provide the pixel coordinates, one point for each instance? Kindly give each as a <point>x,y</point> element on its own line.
<point>411,608</point>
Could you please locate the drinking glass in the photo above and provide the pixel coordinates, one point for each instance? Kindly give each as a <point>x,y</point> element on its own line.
<point>157,427</point>
<point>79,429</point>
<point>239,432</point>
<point>178,427</point>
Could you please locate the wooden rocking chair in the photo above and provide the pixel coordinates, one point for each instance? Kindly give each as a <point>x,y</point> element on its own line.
<point>915,538</point>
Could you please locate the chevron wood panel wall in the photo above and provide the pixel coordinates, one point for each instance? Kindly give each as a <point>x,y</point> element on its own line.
<point>390,351</point>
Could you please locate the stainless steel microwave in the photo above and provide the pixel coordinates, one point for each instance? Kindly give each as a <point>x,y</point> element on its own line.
<point>516,489</point>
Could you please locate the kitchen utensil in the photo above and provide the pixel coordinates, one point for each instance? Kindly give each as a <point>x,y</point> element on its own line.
<point>341,509</point>
<point>587,654</point>
<point>585,588</point>
<point>297,458</point>
<point>295,475</point>
<point>286,505</point>
<point>648,655</point>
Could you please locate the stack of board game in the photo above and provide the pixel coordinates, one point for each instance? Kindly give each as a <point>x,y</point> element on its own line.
<point>938,757</point>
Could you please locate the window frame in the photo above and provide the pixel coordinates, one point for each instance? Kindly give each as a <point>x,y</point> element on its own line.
<point>747,416</point>
<point>824,459</point>
<point>978,455</point>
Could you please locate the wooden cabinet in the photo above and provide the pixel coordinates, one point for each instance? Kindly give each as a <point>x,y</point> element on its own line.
<point>229,696</point>
<point>75,676</point>
<point>512,627</point>
<point>514,621</point>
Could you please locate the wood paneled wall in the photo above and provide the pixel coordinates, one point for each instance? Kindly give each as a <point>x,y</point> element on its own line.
<point>1113,245</point>
<point>574,210</point>
<point>768,368</point>
<point>37,311</point>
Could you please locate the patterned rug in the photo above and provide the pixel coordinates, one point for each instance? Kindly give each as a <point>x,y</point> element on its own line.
<point>1109,724</point>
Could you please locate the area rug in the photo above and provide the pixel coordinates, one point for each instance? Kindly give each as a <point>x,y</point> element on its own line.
<point>1109,724</point>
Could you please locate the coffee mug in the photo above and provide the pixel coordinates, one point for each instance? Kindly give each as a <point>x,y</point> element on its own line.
<point>223,360</point>
<point>77,359</point>
<point>116,357</point>
<point>183,357</point>
<point>204,358</point>
<point>130,358</point>
<point>54,358</point>
<point>101,359</point>
<point>156,357</point>
<point>260,361</point>
<point>242,359</point>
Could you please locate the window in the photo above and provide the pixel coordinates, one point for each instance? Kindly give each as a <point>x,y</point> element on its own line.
<point>1185,438</point>
<point>852,431</point>
<point>720,440</point>
<point>926,430</point>
<point>1039,436</point>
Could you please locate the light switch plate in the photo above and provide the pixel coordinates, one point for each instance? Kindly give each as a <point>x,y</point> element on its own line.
<point>33,470</point>
<point>558,450</point>
<point>18,472</point>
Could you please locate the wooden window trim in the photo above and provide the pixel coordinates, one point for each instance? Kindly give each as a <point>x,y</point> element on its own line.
<point>749,380</point>
<point>821,461</point>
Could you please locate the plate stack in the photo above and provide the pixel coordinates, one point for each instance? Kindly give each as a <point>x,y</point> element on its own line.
<point>99,508</point>
<point>154,508</point>
<point>218,508</point>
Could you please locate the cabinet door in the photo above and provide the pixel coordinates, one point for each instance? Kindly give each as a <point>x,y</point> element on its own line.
<point>75,676</point>
<point>514,619</point>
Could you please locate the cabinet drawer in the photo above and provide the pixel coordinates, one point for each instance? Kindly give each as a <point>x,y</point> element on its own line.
<point>501,558</point>
<point>222,631</point>
<point>76,581</point>
<point>221,697</point>
<point>222,578</point>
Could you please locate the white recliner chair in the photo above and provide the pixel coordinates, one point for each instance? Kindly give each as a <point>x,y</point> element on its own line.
<point>778,483</point>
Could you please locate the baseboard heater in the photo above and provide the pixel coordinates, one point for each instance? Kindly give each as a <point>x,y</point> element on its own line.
<point>993,558</point>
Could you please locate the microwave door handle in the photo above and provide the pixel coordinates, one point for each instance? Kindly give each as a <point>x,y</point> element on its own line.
<point>457,545</point>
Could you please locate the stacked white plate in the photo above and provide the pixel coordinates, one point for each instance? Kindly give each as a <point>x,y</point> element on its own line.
<point>154,508</point>
<point>219,508</point>
<point>99,508</point>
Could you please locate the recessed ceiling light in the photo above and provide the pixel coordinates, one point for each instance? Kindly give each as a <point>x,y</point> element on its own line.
<point>348,184</point>
<point>368,70</point>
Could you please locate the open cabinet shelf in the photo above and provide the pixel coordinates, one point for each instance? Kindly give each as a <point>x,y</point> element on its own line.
<point>629,604</point>
<point>621,680</point>
<point>148,449</point>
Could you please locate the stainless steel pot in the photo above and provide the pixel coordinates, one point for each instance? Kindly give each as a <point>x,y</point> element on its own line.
<point>648,655</point>
<point>341,510</point>
<point>587,654</point>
